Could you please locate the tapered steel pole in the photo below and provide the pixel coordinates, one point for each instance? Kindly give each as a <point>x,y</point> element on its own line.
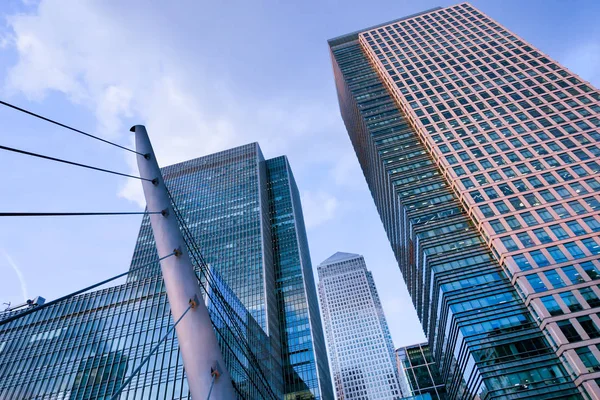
<point>197,340</point>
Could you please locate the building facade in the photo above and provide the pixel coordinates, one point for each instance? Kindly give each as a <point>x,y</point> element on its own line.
<point>481,156</point>
<point>86,347</point>
<point>244,213</point>
<point>420,370</point>
<point>359,341</point>
<point>305,365</point>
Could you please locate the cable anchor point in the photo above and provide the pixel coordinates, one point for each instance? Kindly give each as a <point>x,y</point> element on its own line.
<point>194,302</point>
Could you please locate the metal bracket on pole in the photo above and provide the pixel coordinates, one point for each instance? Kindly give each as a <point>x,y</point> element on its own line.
<point>197,340</point>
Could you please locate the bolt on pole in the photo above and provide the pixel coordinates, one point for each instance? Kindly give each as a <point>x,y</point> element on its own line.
<point>197,340</point>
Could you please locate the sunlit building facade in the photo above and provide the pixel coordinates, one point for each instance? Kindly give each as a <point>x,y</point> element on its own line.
<point>481,155</point>
<point>360,344</point>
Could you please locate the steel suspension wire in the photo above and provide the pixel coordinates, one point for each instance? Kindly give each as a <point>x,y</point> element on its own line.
<point>67,127</point>
<point>246,351</point>
<point>216,291</point>
<point>71,214</point>
<point>80,291</point>
<point>145,360</point>
<point>60,160</point>
<point>203,266</point>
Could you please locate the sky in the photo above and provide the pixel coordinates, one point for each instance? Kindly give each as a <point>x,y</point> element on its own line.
<point>203,77</point>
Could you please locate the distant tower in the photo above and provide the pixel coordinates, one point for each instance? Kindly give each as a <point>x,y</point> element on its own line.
<point>360,344</point>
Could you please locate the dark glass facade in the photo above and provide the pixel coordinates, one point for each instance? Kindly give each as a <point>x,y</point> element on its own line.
<point>421,371</point>
<point>484,340</point>
<point>85,347</point>
<point>245,214</point>
<point>305,366</point>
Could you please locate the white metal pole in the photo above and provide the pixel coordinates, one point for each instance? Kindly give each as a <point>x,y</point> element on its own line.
<point>197,340</point>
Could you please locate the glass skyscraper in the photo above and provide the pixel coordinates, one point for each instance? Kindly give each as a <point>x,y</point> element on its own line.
<point>305,365</point>
<point>86,346</point>
<point>245,215</point>
<point>481,156</point>
<point>360,345</point>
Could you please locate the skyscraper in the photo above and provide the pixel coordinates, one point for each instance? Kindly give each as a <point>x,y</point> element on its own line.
<point>479,151</point>
<point>360,344</point>
<point>245,214</point>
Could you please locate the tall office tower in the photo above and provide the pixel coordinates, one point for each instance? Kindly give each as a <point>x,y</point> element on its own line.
<point>479,152</point>
<point>87,346</point>
<point>305,365</point>
<point>420,370</point>
<point>244,213</point>
<point>360,344</point>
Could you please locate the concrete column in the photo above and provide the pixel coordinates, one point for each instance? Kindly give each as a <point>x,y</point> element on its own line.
<point>197,339</point>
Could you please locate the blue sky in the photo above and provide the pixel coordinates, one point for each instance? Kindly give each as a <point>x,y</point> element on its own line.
<point>202,76</point>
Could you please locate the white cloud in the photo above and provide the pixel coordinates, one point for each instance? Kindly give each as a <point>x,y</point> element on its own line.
<point>318,208</point>
<point>347,172</point>
<point>116,68</point>
<point>17,270</point>
<point>584,60</point>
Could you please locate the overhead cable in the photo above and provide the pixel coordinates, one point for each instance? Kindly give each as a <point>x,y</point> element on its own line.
<point>28,153</point>
<point>66,126</point>
<point>80,291</point>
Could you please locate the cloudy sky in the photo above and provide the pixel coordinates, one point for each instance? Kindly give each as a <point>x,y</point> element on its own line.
<point>202,76</point>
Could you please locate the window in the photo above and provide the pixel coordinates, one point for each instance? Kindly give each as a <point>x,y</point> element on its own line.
<point>539,258</point>
<point>569,331</point>
<point>576,228</point>
<point>497,226</point>
<point>528,218</point>
<point>571,301</point>
<point>559,232</point>
<point>536,283</point>
<point>525,239</point>
<point>572,273</point>
<point>551,305</point>
<point>513,222</point>
<point>545,215</point>
<point>590,269</point>
<point>554,279</point>
<point>502,208</point>
<point>577,207</point>
<point>486,211</point>
<point>556,254</point>
<point>542,235</point>
<point>509,244</point>
<point>522,262</point>
<point>588,326</point>
<point>592,223</point>
<point>561,211</point>
<point>574,250</point>
<point>590,296</point>
<point>588,359</point>
<point>591,245</point>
